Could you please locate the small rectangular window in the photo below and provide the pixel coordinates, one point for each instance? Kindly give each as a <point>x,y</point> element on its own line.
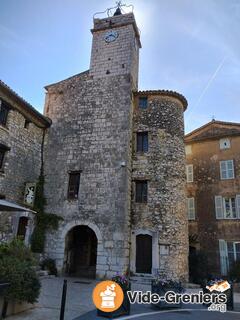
<point>189,172</point>
<point>73,186</point>
<point>141,191</point>
<point>4,109</point>
<point>2,154</point>
<point>142,142</point>
<point>143,102</point>
<point>3,150</point>
<point>226,169</point>
<point>191,208</point>
<point>26,124</point>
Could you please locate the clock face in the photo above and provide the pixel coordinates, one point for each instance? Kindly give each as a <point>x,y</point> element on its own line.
<point>110,36</point>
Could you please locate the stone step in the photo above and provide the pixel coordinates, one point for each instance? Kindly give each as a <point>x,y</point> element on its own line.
<point>146,279</point>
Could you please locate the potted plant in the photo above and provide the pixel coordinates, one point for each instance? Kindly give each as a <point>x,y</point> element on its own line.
<point>124,309</point>
<point>161,286</point>
<point>18,269</point>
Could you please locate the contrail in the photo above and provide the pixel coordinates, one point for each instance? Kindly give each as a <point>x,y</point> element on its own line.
<point>207,85</point>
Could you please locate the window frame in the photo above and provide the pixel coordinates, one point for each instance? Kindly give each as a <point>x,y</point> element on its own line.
<point>143,106</point>
<point>226,169</point>
<point>221,143</point>
<point>141,197</point>
<point>4,114</point>
<point>220,207</point>
<point>140,145</point>
<point>230,206</point>
<point>73,194</point>
<point>3,150</point>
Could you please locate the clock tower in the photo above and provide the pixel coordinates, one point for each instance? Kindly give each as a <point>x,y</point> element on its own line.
<point>115,47</point>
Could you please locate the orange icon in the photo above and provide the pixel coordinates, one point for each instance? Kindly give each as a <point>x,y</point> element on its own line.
<point>107,296</point>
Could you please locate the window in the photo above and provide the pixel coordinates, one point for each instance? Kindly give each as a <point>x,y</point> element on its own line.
<point>224,144</point>
<point>227,208</point>
<point>229,252</point>
<point>142,102</point>
<point>73,186</point>
<point>191,208</point>
<point>142,142</point>
<point>141,191</point>
<point>189,172</point>
<point>3,150</point>
<point>4,109</point>
<point>188,149</point>
<point>26,124</point>
<point>226,169</point>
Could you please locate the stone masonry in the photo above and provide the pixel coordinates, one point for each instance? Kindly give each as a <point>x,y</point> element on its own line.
<point>164,215</point>
<point>23,160</point>
<point>94,120</point>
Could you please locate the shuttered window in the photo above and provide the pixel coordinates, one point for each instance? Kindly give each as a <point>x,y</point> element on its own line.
<point>226,169</point>
<point>141,191</point>
<point>229,252</point>
<point>223,257</point>
<point>4,109</point>
<point>189,172</point>
<point>73,185</point>
<point>227,208</point>
<point>191,208</point>
<point>142,142</point>
<point>143,102</point>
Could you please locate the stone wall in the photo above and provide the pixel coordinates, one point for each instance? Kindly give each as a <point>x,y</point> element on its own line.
<point>91,132</point>
<point>117,57</point>
<point>205,156</point>
<point>21,163</point>
<point>163,166</point>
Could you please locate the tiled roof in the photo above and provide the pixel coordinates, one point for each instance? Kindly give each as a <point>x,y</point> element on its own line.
<point>28,108</point>
<point>165,92</point>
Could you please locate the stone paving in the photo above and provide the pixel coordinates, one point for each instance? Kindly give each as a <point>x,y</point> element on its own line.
<point>78,302</point>
<point>79,305</point>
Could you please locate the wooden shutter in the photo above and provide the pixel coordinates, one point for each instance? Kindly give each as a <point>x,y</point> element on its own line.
<point>223,257</point>
<point>191,208</point>
<point>189,172</point>
<point>73,186</point>
<point>219,207</point>
<point>230,169</point>
<point>238,205</point>
<point>223,169</point>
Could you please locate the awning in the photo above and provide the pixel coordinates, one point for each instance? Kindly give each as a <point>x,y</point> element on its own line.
<point>10,206</point>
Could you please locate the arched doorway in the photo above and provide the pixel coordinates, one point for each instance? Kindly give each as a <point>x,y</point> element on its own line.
<point>143,253</point>
<point>81,252</point>
<point>22,227</point>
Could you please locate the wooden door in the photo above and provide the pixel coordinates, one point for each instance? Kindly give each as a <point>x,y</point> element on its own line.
<point>143,253</point>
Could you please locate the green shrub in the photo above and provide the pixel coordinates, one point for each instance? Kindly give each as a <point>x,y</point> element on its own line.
<point>49,265</point>
<point>17,266</point>
<point>234,273</point>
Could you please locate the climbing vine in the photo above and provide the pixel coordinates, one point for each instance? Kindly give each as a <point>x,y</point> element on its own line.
<point>43,221</point>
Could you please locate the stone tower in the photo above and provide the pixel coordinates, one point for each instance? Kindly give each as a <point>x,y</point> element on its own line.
<point>88,154</point>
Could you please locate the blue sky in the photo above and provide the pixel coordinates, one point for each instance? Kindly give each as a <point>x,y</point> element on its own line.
<point>191,46</point>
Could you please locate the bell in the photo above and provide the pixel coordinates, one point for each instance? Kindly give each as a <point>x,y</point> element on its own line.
<point>118,12</point>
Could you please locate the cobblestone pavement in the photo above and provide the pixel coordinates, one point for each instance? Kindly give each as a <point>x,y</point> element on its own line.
<point>79,305</point>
